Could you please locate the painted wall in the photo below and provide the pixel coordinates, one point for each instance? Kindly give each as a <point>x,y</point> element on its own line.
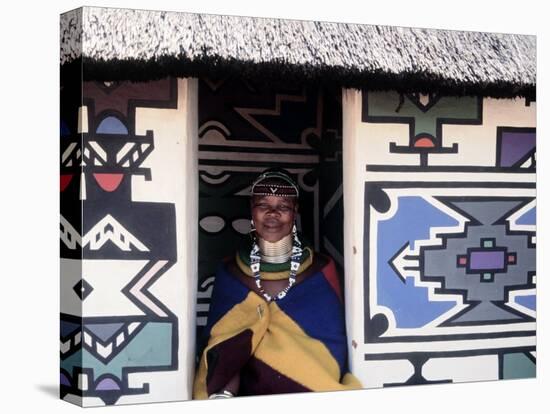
<point>437,243</point>
<point>153,153</point>
<point>128,260</point>
<point>440,210</point>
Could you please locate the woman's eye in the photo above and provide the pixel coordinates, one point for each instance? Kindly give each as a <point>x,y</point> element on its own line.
<point>265,207</point>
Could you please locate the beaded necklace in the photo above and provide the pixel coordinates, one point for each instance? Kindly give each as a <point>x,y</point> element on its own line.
<point>255,259</point>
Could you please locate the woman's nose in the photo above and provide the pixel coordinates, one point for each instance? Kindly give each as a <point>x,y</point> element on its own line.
<point>273,210</point>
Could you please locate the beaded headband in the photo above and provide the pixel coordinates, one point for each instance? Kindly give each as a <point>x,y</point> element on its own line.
<point>261,188</point>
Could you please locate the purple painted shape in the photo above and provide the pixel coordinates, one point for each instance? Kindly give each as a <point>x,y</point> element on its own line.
<point>514,146</point>
<point>486,259</point>
<point>107,384</point>
<point>63,380</point>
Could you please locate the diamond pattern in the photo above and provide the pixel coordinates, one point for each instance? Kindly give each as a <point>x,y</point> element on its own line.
<point>83,289</point>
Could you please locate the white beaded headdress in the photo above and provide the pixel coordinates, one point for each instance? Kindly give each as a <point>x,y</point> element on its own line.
<point>274,183</point>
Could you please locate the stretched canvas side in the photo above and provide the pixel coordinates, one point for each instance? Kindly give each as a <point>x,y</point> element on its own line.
<point>73,288</point>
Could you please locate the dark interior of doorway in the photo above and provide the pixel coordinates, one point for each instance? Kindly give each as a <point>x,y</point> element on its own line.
<point>246,127</point>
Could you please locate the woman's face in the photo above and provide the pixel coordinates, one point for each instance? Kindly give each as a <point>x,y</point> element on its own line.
<point>273,216</point>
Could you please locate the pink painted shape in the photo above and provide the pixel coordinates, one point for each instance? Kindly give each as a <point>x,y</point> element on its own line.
<point>108,182</point>
<point>65,179</point>
<point>424,143</point>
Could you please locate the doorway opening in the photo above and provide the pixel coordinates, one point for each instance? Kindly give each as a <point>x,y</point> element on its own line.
<point>245,127</point>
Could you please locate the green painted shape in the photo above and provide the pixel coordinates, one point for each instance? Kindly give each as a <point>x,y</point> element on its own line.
<point>517,366</point>
<point>385,104</point>
<point>151,347</point>
<point>487,276</point>
<point>75,360</point>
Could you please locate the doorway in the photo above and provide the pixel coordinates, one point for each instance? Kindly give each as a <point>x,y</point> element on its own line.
<point>245,127</point>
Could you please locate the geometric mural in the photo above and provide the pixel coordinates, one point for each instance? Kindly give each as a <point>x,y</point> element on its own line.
<point>446,212</point>
<point>448,261</point>
<point>113,248</point>
<point>117,244</point>
<point>425,116</point>
<point>425,201</point>
<point>516,148</point>
<point>449,243</point>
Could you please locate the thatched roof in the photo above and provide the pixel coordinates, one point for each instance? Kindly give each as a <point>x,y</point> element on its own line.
<point>117,44</point>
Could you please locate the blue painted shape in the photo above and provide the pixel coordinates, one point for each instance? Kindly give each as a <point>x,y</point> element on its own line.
<point>529,301</point>
<point>528,218</point>
<point>66,328</point>
<point>112,125</point>
<point>412,221</point>
<point>64,129</point>
<point>104,331</point>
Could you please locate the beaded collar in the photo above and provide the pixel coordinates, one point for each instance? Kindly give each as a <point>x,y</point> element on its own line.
<point>272,271</point>
<point>255,259</point>
<point>277,252</point>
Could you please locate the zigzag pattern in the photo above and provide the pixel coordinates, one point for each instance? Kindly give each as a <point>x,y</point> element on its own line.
<point>107,229</point>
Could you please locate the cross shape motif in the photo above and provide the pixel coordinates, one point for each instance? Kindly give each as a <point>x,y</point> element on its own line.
<point>425,115</point>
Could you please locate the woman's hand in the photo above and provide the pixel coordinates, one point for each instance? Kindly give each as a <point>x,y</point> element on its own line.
<point>230,389</point>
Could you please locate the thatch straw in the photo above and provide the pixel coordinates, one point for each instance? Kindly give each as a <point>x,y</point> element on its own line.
<point>119,44</point>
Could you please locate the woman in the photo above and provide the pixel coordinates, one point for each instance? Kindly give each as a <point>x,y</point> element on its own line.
<point>276,322</point>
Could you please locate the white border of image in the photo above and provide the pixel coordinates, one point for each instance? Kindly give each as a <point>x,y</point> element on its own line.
<point>30,206</point>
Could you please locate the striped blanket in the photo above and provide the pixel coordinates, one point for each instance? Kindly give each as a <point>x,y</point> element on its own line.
<point>291,345</point>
